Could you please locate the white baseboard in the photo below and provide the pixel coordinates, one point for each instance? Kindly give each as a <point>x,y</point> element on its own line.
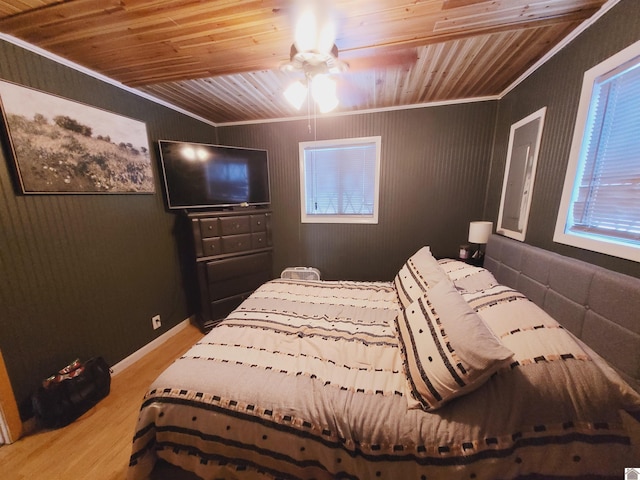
<point>138,354</point>
<point>29,426</point>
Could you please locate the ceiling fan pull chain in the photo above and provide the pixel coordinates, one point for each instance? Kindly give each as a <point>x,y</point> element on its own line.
<point>308,106</point>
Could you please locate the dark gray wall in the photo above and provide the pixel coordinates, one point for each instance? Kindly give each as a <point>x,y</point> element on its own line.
<point>434,170</point>
<point>82,275</point>
<point>434,167</point>
<point>557,84</point>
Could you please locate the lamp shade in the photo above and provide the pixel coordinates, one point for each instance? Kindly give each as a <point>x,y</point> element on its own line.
<point>479,232</point>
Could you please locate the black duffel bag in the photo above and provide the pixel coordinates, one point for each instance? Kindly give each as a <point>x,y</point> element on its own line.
<point>66,396</point>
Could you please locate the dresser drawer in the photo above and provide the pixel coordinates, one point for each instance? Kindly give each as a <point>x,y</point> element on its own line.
<point>236,243</point>
<point>259,240</point>
<point>238,285</point>
<point>209,227</point>
<point>221,308</point>
<point>235,225</point>
<point>211,246</point>
<point>218,270</point>
<point>259,223</point>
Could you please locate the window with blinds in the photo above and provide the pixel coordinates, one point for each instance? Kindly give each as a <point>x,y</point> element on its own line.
<point>339,180</point>
<point>602,209</point>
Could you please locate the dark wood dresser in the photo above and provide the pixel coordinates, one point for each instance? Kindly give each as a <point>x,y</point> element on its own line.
<point>234,256</point>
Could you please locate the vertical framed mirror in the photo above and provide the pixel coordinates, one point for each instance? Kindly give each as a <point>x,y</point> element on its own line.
<point>519,175</point>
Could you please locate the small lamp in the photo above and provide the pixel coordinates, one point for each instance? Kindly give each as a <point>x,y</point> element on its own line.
<point>479,233</point>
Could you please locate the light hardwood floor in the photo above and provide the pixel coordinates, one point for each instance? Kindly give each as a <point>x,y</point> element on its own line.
<point>97,445</point>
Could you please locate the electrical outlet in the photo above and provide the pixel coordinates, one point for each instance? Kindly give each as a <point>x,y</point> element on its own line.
<point>156,322</point>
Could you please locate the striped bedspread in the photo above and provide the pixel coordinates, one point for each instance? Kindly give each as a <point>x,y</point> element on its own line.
<point>305,380</point>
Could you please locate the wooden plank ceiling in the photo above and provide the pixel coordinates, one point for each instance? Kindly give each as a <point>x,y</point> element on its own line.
<point>220,59</point>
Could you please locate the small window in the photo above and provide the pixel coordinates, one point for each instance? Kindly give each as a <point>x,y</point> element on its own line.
<point>339,180</point>
<point>600,207</point>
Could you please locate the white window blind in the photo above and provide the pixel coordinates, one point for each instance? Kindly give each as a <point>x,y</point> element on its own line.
<point>603,210</point>
<point>339,180</point>
<point>607,195</point>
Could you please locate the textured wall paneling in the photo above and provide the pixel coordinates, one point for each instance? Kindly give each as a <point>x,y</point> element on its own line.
<point>83,274</point>
<point>557,84</point>
<point>435,164</point>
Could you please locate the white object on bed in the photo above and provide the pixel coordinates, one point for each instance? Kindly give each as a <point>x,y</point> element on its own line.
<point>447,350</point>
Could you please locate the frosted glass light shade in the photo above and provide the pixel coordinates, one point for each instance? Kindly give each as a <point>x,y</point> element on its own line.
<point>479,232</point>
<point>323,90</point>
<point>315,28</point>
<point>295,94</point>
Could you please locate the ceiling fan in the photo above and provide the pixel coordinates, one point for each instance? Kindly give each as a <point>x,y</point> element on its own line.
<point>314,54</point>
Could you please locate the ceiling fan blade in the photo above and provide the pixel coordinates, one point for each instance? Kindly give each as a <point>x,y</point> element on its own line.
<point>351,94</point>
<point>372,61</point>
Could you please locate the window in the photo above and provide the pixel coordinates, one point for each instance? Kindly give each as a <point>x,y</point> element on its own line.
<point>339,180</point>
<point>600,207</point>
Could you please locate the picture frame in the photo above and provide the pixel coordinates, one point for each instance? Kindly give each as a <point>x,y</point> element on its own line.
<point>519,177</point>
<point>60,146</point>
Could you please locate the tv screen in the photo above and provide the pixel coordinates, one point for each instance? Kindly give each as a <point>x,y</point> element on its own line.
<point>198,175</point>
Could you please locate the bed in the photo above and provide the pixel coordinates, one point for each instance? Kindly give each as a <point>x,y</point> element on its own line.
<point>445,372</point>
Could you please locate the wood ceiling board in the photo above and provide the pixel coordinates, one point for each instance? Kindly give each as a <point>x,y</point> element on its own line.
<point>220,59</point>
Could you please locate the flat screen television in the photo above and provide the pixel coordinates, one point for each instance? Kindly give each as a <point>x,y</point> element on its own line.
<point>198,175</point>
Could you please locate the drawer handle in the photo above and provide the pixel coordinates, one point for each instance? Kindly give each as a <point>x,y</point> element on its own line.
<point>210,227</point>
<point>259,223</point>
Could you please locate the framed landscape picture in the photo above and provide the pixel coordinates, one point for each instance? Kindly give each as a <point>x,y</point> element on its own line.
<point>62,146</point>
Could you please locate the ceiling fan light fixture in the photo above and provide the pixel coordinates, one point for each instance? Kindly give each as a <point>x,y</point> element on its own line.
<point>295,94</point>
<point>323,91</point>
<point>328,104</point>
<point>315,29</point>
<point>315,55</point>
<point>311,62</point>
<point>325,38</point>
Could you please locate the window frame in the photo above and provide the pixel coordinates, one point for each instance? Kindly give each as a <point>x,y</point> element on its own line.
<point>340,218</point>
<point>562,234</point>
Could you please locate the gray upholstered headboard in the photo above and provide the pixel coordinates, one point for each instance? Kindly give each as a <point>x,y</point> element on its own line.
<point>599,306</point>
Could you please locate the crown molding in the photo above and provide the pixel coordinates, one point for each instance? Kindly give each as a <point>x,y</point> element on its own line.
<point>575,33</point>
<point>98,76</point>
<point>557,48</point>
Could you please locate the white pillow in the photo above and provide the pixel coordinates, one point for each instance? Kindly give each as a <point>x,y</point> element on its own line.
<point>467,278</point>
<point>419,273</point>
<point>447,348</point>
